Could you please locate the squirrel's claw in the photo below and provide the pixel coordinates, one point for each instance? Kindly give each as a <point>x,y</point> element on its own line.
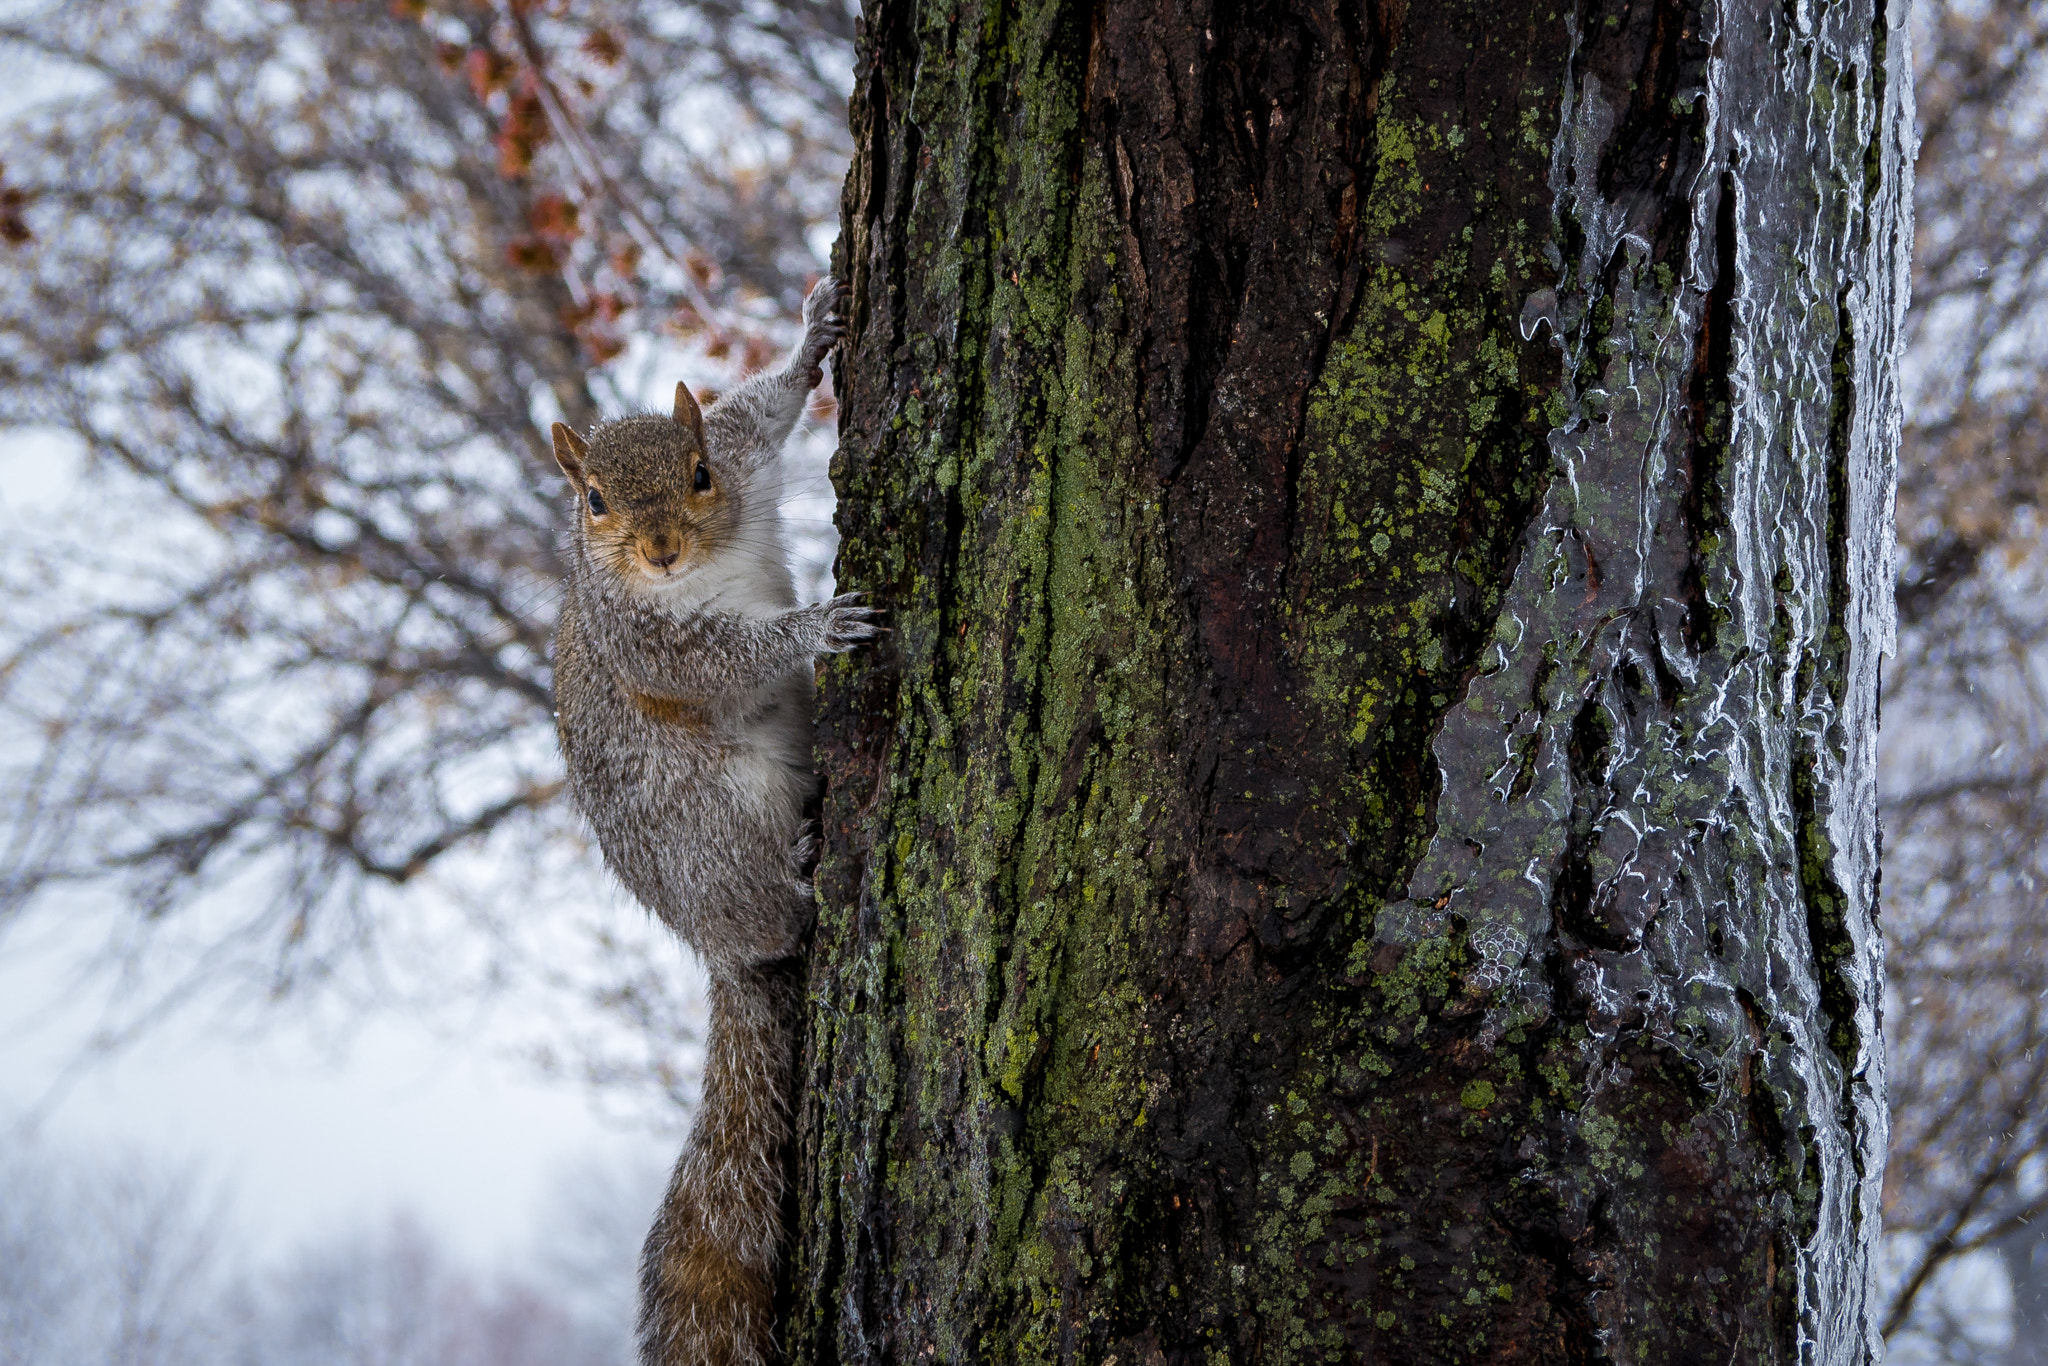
<point>824,326</point>
<point>824,302</point>
<point>846,623</point>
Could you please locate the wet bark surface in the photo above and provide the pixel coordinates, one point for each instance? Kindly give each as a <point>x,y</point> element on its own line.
<point>1360,846</point>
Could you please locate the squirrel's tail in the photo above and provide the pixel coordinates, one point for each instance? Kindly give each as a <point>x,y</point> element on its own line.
<point>707,1274</point>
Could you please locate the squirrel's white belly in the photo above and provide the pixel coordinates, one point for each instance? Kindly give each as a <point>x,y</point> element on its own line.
<point>762,781</point>
<point>766,764</point>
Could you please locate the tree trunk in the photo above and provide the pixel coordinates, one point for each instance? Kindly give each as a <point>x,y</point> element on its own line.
<point>1361,845</point>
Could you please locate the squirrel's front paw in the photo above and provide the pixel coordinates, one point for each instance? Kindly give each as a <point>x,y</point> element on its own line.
<point>844,623</point>
<point>824,326</point>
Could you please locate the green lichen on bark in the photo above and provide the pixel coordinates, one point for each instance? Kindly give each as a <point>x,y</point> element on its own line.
<point>1293,888</point>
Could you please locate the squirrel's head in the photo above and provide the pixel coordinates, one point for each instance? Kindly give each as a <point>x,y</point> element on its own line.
<point>650,505</point>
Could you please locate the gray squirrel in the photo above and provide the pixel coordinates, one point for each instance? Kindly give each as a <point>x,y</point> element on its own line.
<point>683,681</point>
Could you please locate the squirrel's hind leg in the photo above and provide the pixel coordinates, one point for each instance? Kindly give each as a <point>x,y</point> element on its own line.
<point>707,1274</point>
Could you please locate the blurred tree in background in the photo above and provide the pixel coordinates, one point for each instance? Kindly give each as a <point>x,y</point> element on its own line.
<point>298,286</point>
<point>294,287</point>
<point>1966,701</point>
<point>125,1262</point>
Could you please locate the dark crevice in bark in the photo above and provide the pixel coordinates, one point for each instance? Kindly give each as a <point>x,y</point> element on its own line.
<point>886,222</point>
<point>1711,405</point>
<point>1574,900</point>
<point>1648,58</point>
<point>1826,910</point>
<point>1572,1287</point>
<point>1841,417</point>
<point>1874,149</point>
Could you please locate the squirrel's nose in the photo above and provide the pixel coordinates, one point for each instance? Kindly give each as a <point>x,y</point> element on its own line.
<point>663,561</point>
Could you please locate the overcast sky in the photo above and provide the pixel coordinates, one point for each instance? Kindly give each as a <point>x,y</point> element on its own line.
<point>313,1137</point>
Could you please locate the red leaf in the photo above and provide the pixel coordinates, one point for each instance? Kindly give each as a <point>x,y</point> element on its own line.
<point>553,216</point>
<point>532,253</point>
<point>489,72</point>
<point>600,344</point>
<point>521,132</point>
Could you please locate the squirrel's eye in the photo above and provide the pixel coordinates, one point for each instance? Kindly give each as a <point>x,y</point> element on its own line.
<point>702,479</point>
<point>596,503</point>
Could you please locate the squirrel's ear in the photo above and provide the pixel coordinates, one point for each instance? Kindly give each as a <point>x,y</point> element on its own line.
<point>570,453</point>
<point>688,414</point>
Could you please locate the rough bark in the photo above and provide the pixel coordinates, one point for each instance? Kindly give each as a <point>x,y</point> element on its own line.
<point>1361,846</point>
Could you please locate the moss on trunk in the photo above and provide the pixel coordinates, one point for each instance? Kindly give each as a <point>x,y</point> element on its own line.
<point>1360,845</point>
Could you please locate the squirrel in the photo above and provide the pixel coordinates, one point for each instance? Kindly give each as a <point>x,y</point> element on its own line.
<point>683,685</point>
